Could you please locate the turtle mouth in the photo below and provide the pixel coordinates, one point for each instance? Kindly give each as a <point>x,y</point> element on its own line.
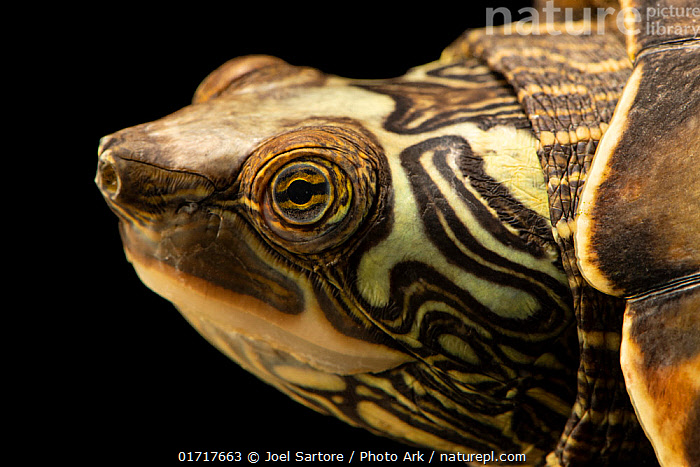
<point>163,213</point>
<point>174,220</point>
<point>190,246</point>
<point>149,195</point>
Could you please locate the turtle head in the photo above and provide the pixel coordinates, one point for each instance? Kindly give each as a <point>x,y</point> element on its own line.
<point>244,208</point>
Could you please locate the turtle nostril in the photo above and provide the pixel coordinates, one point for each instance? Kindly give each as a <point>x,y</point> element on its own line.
<point>107,178</point>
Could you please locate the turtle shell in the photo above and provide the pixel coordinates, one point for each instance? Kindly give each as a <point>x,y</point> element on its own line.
<point>624,250</point>
<point>637,227</point>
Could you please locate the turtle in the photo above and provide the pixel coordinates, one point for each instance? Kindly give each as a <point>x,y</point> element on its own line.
<point>494,252</point>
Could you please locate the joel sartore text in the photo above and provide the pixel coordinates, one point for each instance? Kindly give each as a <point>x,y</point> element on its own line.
<point>416,456</point>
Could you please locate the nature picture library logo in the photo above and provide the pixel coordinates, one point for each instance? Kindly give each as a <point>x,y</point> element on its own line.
<point>666,20</point>
<point>656,25</point>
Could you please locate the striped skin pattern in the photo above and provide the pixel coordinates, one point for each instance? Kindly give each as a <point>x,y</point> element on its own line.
<point>410,284</point>
<point>569,89</point>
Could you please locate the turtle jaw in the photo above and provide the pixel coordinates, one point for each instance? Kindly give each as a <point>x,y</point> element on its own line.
<point>233,290</point>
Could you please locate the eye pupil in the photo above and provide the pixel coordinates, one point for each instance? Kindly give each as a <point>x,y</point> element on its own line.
<point>300,192</point>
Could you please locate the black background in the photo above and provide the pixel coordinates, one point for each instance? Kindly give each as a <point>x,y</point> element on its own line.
<point>137,381</point>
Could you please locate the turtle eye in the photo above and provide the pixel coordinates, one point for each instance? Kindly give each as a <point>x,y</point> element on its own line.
<point>307,198</point>
<point>302,193</point>
<point>310,190</point>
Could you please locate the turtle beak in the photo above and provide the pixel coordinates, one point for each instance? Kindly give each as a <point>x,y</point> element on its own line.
<point>137,188</point>
<point>169,180</point>
<point>164,210</point>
